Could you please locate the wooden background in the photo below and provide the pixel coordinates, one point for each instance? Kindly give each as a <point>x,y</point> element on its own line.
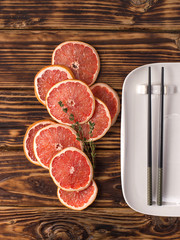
<point>127,34</point>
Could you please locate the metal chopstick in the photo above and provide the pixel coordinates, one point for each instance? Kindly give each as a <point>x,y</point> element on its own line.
<point>149,153</point>
<point>161,129</point>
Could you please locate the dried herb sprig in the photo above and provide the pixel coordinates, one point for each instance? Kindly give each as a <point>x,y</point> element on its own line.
<point>91,126</point>
<point>89,146</point>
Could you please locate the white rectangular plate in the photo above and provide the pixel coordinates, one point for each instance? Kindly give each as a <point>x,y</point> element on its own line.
<point>134,139</point>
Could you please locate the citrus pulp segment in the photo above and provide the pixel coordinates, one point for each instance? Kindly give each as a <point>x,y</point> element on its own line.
<point>29,139</point>
<point>52,139</point>
<point>80,57</point>
<point>75,97</point>
<point>71,169</point>
<point>101,120</point>
<point>48,77</point>
<point>78,200</point>
<point>105,93</point>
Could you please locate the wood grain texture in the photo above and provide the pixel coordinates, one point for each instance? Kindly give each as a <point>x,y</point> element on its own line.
<point>24,53</point>
<point>55,224</point>
<point>112,15</point>
<point>126,34</point>
<point>25,184</point>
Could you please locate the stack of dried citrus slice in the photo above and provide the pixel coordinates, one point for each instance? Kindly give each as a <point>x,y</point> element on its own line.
<point>64,88</point>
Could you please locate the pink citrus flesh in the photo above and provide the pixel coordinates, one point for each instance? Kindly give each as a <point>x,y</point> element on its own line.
<point>80,57</point>
<point>48,77</point>
<point>52,139</point>
<point>106,94</point>
<point>101,120</point>
<point>76,98</point>
<point>29,139</point>
<point>78,200</point>
<point>71,170</point>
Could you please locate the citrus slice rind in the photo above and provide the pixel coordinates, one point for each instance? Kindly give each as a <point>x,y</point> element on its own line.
<point>75,96</point>
<point>71,169</point>
<point>29,138</point>
<point>80,57</point>
<point>78,200</point>
<point>52,139</point>
<point>102,120</point>
<point>109,96</point>
<point>49,76</point>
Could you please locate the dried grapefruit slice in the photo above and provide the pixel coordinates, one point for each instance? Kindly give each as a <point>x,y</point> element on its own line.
<point>80,57</point>
<point>48,77</point>
<point>76,98</point>
<point>71,170</point>
<point>52,139</point>
<point>78,200</point>
<point>105,93</point>
<point>101,120</point>
<point>29,138</point>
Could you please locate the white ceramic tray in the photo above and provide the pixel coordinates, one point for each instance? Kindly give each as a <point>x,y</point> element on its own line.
<point>134,139</point>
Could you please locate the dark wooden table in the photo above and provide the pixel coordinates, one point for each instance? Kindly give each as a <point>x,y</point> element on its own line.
<point>127,34</point>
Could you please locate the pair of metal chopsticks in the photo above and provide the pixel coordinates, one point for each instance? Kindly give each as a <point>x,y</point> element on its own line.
<point>149,153</point>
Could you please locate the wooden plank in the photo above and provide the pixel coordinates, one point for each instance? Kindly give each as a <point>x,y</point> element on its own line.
<point>23,53</point>
<point>92,14</point>
<point>20,108</point>
<point>92,223</point>
<point>25,184</point>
